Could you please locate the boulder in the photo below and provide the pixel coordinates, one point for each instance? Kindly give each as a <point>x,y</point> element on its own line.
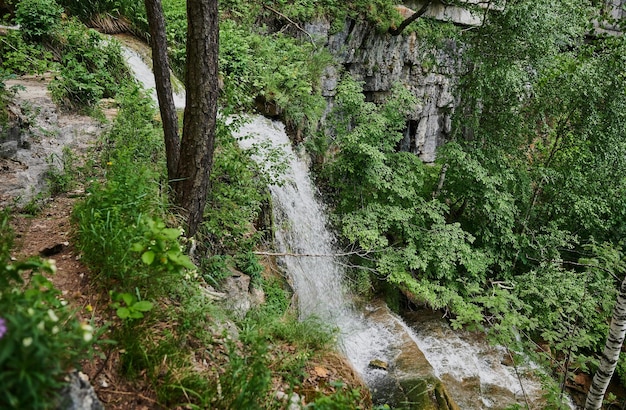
<point>79,394</point>
<point>240,295</point>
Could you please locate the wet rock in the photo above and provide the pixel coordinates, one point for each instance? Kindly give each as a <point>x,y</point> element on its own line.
<point>378,364</point>
<point>409,377</point>
<point>474,372</point>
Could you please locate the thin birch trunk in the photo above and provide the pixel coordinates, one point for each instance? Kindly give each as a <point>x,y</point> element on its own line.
<point>611,352</point>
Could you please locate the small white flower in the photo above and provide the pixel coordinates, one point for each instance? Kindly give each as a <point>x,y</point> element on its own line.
<point>55,330</point>
<point>41,325</point>
<point>87,332</point>
<point>30,311</point>
<point>53,265</point>
<point>27,341</point>
<point>86,327</point>
<point>53,316</point>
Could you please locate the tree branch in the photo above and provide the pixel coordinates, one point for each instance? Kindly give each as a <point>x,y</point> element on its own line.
<point>406,22</point>
<point>313,255</point>
<point>292,22</point>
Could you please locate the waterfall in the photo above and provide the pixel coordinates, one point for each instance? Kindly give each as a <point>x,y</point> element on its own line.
<point>372,333</point>
<point>143,72</point>
<point>472,370</point>
<point>309,247</point>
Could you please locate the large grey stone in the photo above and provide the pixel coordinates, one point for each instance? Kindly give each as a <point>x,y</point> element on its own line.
<point>79,394</point>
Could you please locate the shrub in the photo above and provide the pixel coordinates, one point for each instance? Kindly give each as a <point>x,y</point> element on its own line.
<point>18,56</point>
<point>40,340</point>
<point>38,18</point>
<point>110,218</point>
<point>91,67</point>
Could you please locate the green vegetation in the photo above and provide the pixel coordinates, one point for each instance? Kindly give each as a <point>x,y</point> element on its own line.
<point>517,229</point>
<point>40,337</point>
<point>38,18</point>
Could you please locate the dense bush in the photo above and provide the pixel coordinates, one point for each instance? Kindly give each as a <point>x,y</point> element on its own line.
<point>92,67</point>
<point>40,338</point>
<point>38,18</point>
<point>19,56</point>
<point>110,219</point>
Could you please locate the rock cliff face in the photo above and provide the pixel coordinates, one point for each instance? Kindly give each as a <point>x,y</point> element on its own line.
<point>380,60</point>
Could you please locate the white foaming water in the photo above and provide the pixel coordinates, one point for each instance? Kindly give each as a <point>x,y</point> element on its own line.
<point>301,229</point>
<point>143,72</point>
<point>317,276</point>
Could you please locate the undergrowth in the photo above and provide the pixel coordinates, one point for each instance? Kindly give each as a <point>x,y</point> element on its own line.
<point>131,241</point>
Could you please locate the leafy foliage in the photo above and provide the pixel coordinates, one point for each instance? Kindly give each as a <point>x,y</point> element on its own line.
<point>40,339</point>
<point>91,67</point>
<point>111,218</point>
<point>19,56</point>
<point>382,199</point>
<point>38,18</point>
<point>128,307</point>
<point>88,11</point>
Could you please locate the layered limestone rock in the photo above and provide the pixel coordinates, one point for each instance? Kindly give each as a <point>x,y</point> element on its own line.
<point>380,60</point>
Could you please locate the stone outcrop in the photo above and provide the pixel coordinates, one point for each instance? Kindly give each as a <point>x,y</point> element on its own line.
<point>380,60</point>
<point>240,295</point>
<point>79,394</point>
<point>409,377</point>
<point>33,138</point>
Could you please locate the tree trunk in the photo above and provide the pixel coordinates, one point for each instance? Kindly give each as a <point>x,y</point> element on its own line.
<point>198,142</point>
<point>161,68</point>
<point>611,352</point>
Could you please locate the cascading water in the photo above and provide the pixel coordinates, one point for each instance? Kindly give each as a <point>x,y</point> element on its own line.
<point>374,334</point>
<point>143,73</point>
<point>302,235</point>
<point>471,369</point>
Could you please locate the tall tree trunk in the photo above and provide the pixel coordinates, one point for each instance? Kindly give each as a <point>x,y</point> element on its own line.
<point>198,142</point>
<point>161,68</point>
<point>611,352</point>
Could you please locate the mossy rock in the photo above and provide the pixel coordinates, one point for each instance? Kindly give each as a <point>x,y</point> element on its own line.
<point>425,394</point>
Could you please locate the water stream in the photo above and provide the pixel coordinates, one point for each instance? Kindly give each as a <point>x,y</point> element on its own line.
<point>143,72</point>
<point>317,277</point>
<point>472,371</point>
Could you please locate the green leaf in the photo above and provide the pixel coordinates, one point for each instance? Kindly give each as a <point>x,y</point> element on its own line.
<point>127,298</point>
<point>148,257</point>
<point>143,306</point>
<point>186,262</point>
<point>137,247</point>
<point>135,314</point>
<point>171,233</point>
<point>123,313</point>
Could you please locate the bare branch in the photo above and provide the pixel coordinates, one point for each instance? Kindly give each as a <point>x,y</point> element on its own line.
<point>292,22</point>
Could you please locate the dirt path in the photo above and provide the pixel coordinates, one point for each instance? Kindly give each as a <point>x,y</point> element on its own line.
<point>44,133</point>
